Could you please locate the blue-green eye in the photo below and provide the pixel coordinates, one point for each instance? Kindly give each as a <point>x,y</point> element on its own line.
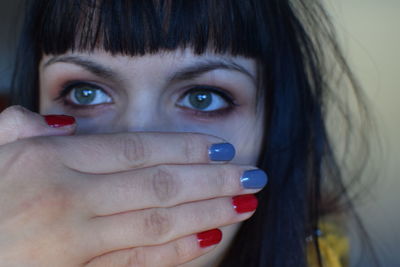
<point>86,95</point>
<point>204,99</point>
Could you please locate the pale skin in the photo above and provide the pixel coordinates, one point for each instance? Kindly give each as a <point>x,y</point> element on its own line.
<point>85,198</point>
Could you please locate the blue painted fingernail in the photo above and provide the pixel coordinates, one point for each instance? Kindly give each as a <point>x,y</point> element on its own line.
<point>221,152</point>
<point>254,179</point>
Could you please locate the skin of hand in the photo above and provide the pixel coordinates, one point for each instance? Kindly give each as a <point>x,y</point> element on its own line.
<point>96,200</point>
<point>18,123</point>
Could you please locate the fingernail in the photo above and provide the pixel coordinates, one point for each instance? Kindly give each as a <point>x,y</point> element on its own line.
<point>244,203</point>
<point>209,238</point>
<point>254,179</point>
<point>221,152</point>
<point>58,121</point>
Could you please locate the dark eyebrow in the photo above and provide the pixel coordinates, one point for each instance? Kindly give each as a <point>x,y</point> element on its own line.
<point>91,66</point>
<point>199,68</point>
<point>187,73</point>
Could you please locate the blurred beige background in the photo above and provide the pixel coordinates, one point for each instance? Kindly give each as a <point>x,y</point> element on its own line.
<point>370,35</point>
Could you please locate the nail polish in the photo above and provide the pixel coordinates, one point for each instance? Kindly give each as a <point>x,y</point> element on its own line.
<point>244,203</point>
<point>221,152</point>
<point>254,179</point>
<point>58,121</point>
<point>209,238</point>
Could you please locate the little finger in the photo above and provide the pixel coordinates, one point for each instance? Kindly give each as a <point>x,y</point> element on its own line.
<point>170,254</point>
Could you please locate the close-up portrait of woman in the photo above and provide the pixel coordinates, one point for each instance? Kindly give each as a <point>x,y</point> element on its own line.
<point>181,133</point>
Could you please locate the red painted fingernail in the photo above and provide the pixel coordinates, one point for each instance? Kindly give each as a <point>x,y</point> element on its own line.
<point>209,238</point>
<point>245,203</point>
<point>58,121</point>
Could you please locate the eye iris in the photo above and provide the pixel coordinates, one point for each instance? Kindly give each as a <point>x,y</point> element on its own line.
<point>84,95</point>
<point>200,100</point>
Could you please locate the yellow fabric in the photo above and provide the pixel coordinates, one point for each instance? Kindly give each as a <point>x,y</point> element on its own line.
<point>334,247</point>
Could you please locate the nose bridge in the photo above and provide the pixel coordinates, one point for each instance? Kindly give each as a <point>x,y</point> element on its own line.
<point>145,106</point>
<point>146,124</point>
<point>144,113</point>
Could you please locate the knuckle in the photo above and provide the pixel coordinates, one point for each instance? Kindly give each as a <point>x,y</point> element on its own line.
<point>13,116</point>
<point>180,251</point>
<point>157,224</point>
<point>133,150</point>
<point>136,257</point>
<point>14,112</point>
<point>164,184</point>
<point>192,146</point>
<point>227,179</point>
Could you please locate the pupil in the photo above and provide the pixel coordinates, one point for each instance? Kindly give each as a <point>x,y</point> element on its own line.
<point>84,95</point>
<point>200,100</point>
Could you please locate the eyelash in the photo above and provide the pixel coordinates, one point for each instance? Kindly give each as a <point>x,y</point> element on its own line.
<point>68,87</point>
<point>226,96</point>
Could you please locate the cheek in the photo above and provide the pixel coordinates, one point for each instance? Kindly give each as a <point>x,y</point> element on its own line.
<point>247,139</point>
<point>44,102</point>
<point>244,133</point>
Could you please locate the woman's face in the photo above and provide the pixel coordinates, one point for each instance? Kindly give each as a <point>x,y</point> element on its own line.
<point>169,91</point>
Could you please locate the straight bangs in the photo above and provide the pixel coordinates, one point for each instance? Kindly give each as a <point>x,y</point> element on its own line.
<point>138,27</point>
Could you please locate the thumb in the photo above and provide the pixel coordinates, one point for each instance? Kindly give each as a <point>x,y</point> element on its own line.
<point>17,123</point>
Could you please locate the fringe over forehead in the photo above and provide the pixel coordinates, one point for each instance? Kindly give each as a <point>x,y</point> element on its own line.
<point>137,27</point>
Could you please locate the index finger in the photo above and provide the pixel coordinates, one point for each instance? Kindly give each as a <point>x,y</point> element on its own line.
<point>107,153</point>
